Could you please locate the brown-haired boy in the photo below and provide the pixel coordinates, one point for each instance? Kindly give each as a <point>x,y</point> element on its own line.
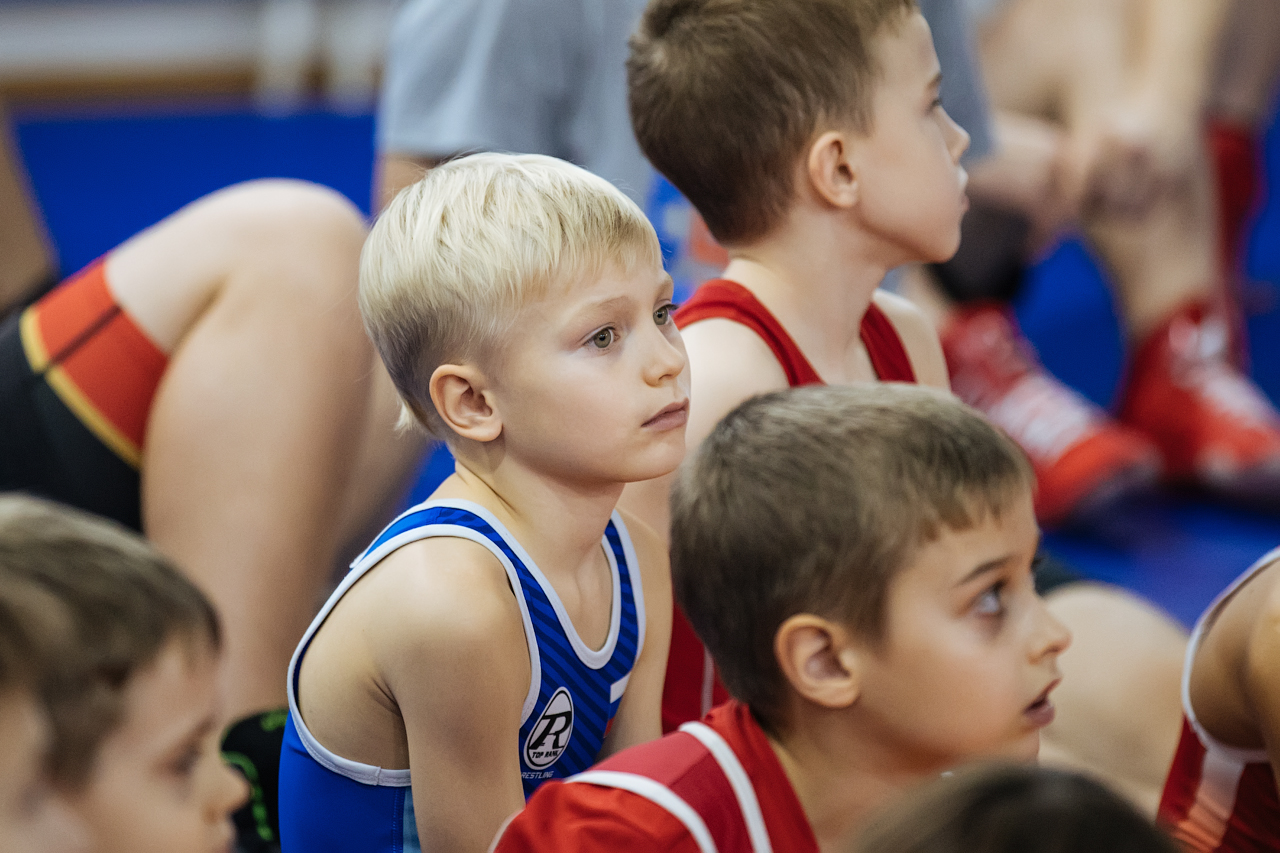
<point>33,818</point>
<point>136,721</point>
<point>810,137</point>
<point>858,562</point>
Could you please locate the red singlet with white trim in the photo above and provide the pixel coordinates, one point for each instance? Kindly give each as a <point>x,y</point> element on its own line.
<point>692,687</point>
<point>1217,798</point>
<point>713,787</point>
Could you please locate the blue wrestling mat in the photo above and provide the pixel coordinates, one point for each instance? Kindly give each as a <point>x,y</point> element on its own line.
<point>101,176</point>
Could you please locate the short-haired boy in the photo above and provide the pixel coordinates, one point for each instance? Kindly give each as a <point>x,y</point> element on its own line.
<point>858,562</point>
<point>33,817</point>
<point>817,150</point>
<point>137,711</point>
<point>509,630</point>
<point>1220,794</point>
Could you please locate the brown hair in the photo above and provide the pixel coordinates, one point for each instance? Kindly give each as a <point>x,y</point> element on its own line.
<point>810,501</point>
<point>123,602</point>
<point>1009,809</point>
<point>726,94</point>
<point>33,633</point>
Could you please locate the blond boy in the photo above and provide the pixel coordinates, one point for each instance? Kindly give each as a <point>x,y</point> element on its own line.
<point>858,562</point>
<point>509,630</point>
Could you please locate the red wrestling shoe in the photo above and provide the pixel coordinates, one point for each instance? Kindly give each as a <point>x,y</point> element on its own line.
<point>1083,460</point>
<point>1212,425</point>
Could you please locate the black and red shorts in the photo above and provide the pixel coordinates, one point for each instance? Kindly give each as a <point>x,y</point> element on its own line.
<point>77,380</point>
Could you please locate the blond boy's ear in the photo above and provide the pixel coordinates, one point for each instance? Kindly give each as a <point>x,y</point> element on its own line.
<point>830,169</point>
<point>461,396</point>
<point>820,659</point>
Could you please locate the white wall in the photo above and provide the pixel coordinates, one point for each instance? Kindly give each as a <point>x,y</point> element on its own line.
<point>278,40</point>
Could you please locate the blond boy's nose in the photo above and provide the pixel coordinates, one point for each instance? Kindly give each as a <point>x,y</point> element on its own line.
<point>668,358</point>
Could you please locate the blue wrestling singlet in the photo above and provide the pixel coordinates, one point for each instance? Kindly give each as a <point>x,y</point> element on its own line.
<point>329,803</point>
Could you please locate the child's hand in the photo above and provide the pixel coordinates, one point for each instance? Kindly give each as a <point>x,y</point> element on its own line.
<point>1138,153</point>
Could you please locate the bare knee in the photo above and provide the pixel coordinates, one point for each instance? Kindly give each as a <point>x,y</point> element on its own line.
<point>278,216</point>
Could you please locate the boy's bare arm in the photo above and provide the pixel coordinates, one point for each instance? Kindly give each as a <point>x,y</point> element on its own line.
<point>639,715</point>
<point>729,363</point>
<point>453,654</point>
<point>919,337</point>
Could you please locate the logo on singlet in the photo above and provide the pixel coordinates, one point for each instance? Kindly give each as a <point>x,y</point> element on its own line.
<point>550,734</point>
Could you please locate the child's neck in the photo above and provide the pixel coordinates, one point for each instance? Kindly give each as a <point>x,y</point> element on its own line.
<point>559,524</point>
<point>840,779</point>
<point>817,279</point>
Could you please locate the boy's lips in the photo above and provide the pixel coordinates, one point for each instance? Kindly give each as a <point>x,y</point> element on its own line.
<point>1040,713</point>
<point>671,417</point>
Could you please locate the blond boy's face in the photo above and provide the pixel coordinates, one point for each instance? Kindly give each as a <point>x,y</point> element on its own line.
<point>970,652</point>
<point>593,386</point>
<point>159,784</point>
<point>33,818</point>
<point>910,182</point>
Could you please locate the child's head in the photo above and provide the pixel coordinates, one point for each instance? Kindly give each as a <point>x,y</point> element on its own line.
<point>33,818</point>
<point>451,263</point>
<point>869,548</point>
<point>1009,809</point>
<point>735,101</point>
<point>135,722</point>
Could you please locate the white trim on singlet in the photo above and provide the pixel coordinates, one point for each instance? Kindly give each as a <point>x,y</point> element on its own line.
<point>637,581</point>
<point>1211,744</point>
<point>593,658</point>
<point>733,770</point>
<point>654,792</point>
<point>400,777</point>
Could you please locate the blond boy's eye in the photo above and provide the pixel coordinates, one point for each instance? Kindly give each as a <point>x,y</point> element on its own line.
<point>602,339</point>
<point>663,315</point>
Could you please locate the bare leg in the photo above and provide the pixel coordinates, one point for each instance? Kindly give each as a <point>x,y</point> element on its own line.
<point>1165,260</point>
<point>1078,63</point>
<point>1135,160</point>
<point>260,419</point>
<point>1119,705</point>
<point>24,245</point>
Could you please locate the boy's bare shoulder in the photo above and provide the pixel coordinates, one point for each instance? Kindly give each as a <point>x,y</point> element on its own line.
<point>728,363</point>
<point>918,336</point>
<point>443,598</point>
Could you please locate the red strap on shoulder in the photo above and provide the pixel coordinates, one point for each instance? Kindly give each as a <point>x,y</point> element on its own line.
<point>680,763</point>
<point>723,299</point>
<point>884,347</point>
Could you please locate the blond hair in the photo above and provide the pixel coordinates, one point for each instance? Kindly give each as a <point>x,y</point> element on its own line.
<point>812,500</point>
<point>453,257</point>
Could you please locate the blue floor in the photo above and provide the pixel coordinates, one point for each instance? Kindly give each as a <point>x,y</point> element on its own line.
<point>105,174</point>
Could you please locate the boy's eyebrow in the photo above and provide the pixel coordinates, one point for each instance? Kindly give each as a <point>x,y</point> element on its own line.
<point>989,566</point>
<point>936,82</point>
<point>606,305</point>
<point>998,562</point>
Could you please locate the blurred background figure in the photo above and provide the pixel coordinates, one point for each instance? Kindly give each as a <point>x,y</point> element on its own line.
<point>1012,809</point>
<point>1138,124</point>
